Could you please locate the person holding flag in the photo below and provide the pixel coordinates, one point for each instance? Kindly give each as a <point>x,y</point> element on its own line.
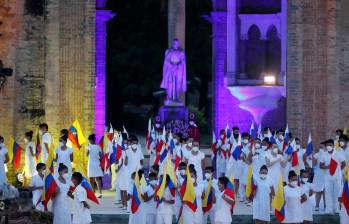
<point>307,189</point>
<point>245,162</point>
<point>60,203</point>
<point>343,198</point>
<point>4,158</point>
<point>46,141</point>
<point>294,197</point>
<point>221,155</point>
<point>332,162</point>
<point>149,200</point>
<point>30,161</point>
<point>64,154</point>
<point>134,156</point>
<point>123,175</point>
<point>224,202</point>
<point>262,196</point>
<point>274,163</point>
<point>136,194</point>
<point>94,172</point>
<point>319,176</point>
<point>210,188</point>
<point>81,211</point>
<point>166,202</point>
<point>196,157</point>
<point>37,185</point>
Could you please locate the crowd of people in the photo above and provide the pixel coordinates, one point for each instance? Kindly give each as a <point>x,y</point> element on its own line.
<point>321,172</point>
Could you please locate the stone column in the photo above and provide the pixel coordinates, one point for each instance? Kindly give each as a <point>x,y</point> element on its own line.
<point>219,53</point>
<point>102,17</point>
<point>283,37</point>
<point>231,43</point>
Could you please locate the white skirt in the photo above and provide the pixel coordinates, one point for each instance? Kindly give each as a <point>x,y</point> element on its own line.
<point>94,170</point>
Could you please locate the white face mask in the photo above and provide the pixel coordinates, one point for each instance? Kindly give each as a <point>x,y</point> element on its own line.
<point>182,172</point>
<point>275,150</point>
<point>341,144</point>
<point>43,172</point>
<point>134,146</point>
<point>257,145</point>
<point>281,137</point>
<point>65,176</point>
<point>194,180</point>
<point>60,144</point>
<point>195,149</point>
<point>329,148</point>
<point>26,140</point>
<point>222,136</point>
<point>337,137</point>
<point>207,176</point>
<point>175,141</point>
<point>40,132</point>
<point>294,183</point>
<point>298,146</point>
<point>263,176</point>
<point>190,144</point>
<point>153,182</point>
<point>245,141</point>
<point>305,179</point>
<point>264,147</point>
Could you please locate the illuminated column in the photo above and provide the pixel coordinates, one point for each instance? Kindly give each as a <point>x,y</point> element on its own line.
<point>231,42</point>
<point>283,36</point>
<point>102,17</point>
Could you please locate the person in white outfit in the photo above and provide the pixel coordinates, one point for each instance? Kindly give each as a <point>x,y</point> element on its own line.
<point>46,141</point>
<point>30,162</point>
<point>60,203</point>
<point>149,201</point>
<point>81,209</point>
<point>140,215</point>
<point>208,175</point>
<point>94,172</point>
<point>221,155</point>
<point>319,175</point>
<point>245,155</point>
<point>196,157</point>
<point>224,203</point>
<point>307,189</point>
<point>294,197</point>
<point>274,163</point>
<point>64,154</point>
<point>4,158</point>
<point>263,194</point>
<point>165,210</point>
<point>333,175</point>
<point>37,185</point>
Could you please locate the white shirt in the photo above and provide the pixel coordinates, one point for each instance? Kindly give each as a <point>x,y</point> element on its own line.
<point>293,205</point>
<point>30,162</point>
<point>3,153</point>
<point>46,138</point>
<point>134,160</point>
<point>37,181</point>
<point>81,215</point>
<point>222,210</point>
<point>94,151</point>
<point>326,159</point>
<point>150,206</point>
<point>196,161</point>
<point>64,157</point>
<point>166,208</point>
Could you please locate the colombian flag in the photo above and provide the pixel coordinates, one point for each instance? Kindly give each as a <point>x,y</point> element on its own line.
<point>250,187</point>
<point>86,185</point>
<point>76,135</point>
<point>345,194</point>
<point>50,188</point>
<point>207,201</point>
<point>187,192</point>
<point>279,202</point>
<point>136,195</point>
<point>15,152</point>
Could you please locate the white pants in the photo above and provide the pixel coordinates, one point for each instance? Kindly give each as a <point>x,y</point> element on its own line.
<point>209,214</point>
<point>163,219</point>
<point>332,188</point>
<point>150,219</point>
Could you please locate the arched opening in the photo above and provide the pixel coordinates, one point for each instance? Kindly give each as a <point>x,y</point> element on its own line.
<point>273,52</point>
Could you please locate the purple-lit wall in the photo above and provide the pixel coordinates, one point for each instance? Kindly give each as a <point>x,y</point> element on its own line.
<point>102,17</point>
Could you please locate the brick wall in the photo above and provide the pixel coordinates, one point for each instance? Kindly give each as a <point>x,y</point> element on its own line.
<point>317,71</point>
<point>52,55</point>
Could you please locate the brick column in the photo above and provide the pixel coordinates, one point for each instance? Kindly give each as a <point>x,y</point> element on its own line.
<point>102,17</point>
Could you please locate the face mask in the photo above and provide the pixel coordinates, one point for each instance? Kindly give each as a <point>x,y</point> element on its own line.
<point>275,150</point>
<point>190,144</point>
<point>341,144</point>
<point>294,183</point>
<point>65,176</point>
<point>26,140</point>
<point>43,172</point>
<point>60,144</point>
<point>194,180</point>
<point>281,137</point>
<point>257,145</point>
<point>134,146</point>
<point>153,182</point>
<point>40,132</point>
<point>207,176</point>
<point>175,141</point>
<point>298,146</point>
<point>264,147</point>
<point>329,148</point>
<point>263,176</point>
<point>245,141</point>
<point>195,149</point>
<point>182,172</point>
<point>222,136</point>
<point>305,179</point>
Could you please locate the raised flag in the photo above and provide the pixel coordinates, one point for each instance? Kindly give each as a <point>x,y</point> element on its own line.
<point>76,135</point>
<point>179,157</point>
<point>124,131</point>
<point>187,192</point>
<point>50,188</point>
<point>250,187</point>
<point>278,202</point>
<point>229,190</point>
<point>309,149</point>
<point>259,132</point>
<point>237,152</point>
<point>252,132</point>
<point>214,144</point>
<point>90,194</point>
<point>228,132</point>
<point>37,145</point>
<point>136,196</point>
<point>171,145</point>
<point>207,202</point>
<point>15,151</point>
<point>271,137</point>
<point>286,138</point>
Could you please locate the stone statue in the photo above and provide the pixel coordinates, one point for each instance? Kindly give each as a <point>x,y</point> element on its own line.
<point>174,74</point>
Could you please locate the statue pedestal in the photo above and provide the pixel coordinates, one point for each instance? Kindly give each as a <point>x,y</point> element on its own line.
<point>170,113</point>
